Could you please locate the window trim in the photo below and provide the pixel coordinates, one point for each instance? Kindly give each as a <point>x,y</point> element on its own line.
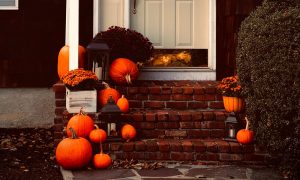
<point>15,7</point>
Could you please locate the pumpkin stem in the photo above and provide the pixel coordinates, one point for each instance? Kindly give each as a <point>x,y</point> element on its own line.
<point>74,136</point>
<point>96,126</point>
<point>106,85</point>
<point>128,79</point>
<point>247,123</point>
<point>101,148</point>
<point>81,112</point>
<point>123,96</point>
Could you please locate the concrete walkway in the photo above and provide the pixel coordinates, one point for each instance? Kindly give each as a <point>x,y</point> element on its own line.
<point>26,107</point>
<point>177,171</point>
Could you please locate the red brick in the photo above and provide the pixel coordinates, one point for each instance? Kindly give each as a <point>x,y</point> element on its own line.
<point>128,155</point>
<point>155,90</point>
<point>195,133</point>
<point>152,133</point>
<point>179,156</point>
<point>166,90</point>
<point>58,120</point>
<point>138,116</point>
<point>220,116</point>
<point>143,90</point>
<point>207,157</point>
<point>159,156</point>
<point>122,89</point>
<point>175,146</point>
<point>151,145</point>
<point>59,110</point>
<point>60,103</point>
<point>173,116</point>
<point>60,95</point>
<point>135,104</point>
<point>185,116</point>
<point>140,146</point>
<point>219,97</point>
<point>150,116</point>
<point>167,125</point>
<point>199,146</point>
<point>197,116</point>
<point>163,146</point>
<point>217,133</point>
<point>212,125</point>
<point>210,90</point>
<point>211,146</point>
<point>235,147</point>
<point>223,146</point>
<point>115,146</point>
<point>118,155</point>
<point>205,97</point>
<point>208,116</point>
<point>145,125</point>
<point>254,157</point>
<point>162,116</point>
<point>216,105</point>
<point>199,90</point>
<point>187,125</point>
<point>105,147</point>
<point>230,157</point>
<point>59,87</point>
<point>141,97</point>
<point>187,146</point>
<point>128,146</point>
<point>248,148</point>
<point>154,104</point>
<point>133,90</point>
<point>159,97</point>
<point>188,90</point>
<point>198,105</point>
<point>177,90</point>
<point>139,155</point>
<point>180,97</point>
<point>176,133</point>
<point>176,105</point>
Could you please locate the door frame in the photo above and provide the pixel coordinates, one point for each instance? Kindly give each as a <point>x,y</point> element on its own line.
<point>194,73</point>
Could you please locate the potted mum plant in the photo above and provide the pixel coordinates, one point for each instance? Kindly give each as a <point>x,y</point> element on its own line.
<point>231,90</point>
<point>81,90</point>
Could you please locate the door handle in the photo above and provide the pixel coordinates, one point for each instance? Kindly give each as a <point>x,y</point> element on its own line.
<point>134,7</point>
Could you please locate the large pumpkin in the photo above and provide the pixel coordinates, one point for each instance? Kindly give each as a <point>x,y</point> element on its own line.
<point>105,93</point>
<point>73,152</point>
<point>81,123</point>
<point>245,136</point>
<point>63,59</point>
<point>233,104</point>
<point>123,71</point>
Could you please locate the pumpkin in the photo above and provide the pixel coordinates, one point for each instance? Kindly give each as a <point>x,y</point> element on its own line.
<point>128,132</point>
<point>123,71</point>
<point>97,135</point>
<point>123,104</point>
<point>233,104</point>
<point>245,136</point>
<point>81,123</point>
<point>63,60</point>
<point>101,160</point>
<point>105,93</point>
<point>73,152</point>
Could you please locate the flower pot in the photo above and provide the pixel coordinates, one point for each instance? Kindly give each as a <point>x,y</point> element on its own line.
<point>233,104</point>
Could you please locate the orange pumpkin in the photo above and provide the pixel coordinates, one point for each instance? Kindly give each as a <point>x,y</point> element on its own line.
<point>102,161</point>
<point>105,93</point>
<point>63,60</point>
<point>128,132</point>
<point>123,71</point>
<point>233,104</point>
<point>123,104</point>
<point>81,123</point>
<point>73,152</point>
<point>97,135</point>
<point>245,136</point>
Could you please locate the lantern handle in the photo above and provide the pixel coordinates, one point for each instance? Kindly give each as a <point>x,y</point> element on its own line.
<point>134,7</point>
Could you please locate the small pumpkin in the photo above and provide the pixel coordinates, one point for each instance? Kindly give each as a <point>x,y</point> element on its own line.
<point>233,104</point>
<point>102,161</point>
<point>123,104</point>
<point>245,136</point>
<point>123,71</point>
<point>81,123</point>
<point>73,152</point>
<point>105,93</point>
<point>128,132</point>
<point>63,60</point>
<point>97,135</point>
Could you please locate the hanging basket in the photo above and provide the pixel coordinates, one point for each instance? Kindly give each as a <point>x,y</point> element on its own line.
<point>233,104</point>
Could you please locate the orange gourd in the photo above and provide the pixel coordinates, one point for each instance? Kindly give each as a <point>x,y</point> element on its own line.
<point>233,104</point>
<point>123,104</point>
<point>102,161</point>
<point>123,71</point>
<point>73,152</point>
<point>81,123</point>
<point>97,135</point>
<point>128,132</point>
<point>63,60</point>
<point>105,93</point>
<point>245,136</point>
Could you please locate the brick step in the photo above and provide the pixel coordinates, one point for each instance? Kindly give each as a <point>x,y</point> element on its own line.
<point>185,150</point>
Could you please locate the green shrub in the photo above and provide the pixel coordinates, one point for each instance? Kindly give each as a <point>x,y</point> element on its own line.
<point>268,64</point>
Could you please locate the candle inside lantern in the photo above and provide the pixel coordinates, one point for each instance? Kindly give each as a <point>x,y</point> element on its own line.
<point>98,72</point>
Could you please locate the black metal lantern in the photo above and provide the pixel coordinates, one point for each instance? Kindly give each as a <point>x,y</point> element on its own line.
<point>231,127</point>
<point>98,58</point>
<point>110,115</point>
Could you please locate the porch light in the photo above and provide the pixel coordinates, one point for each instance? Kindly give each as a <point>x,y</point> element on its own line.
<point>110,115</point>
<point>231,127</point>
<point>98,59</point>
